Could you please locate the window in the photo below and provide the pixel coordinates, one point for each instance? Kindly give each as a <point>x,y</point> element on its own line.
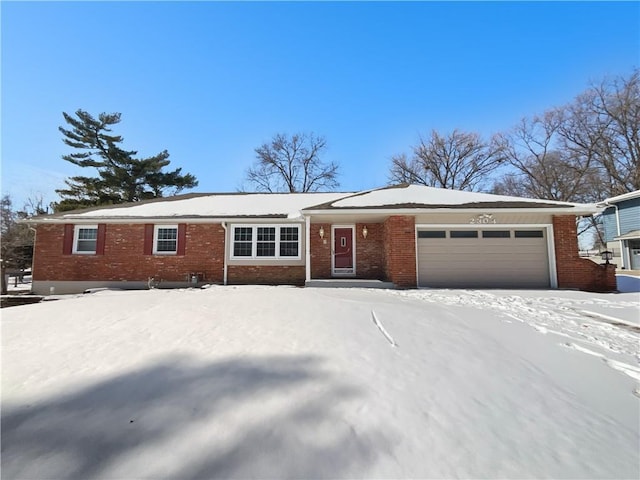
<point>85,239</point>
<point>266,241</point>
<point>496,234</point>
<point>242,244</point>
<point>165,239</point>
<point>432,234</point>
<point>289,241</point>
<point>463,234</point>
<point>529,234</point>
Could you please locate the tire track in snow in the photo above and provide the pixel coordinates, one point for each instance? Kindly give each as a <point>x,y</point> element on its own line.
<point>383,330</point>
<point>565,317</point>
<point>633,372</point>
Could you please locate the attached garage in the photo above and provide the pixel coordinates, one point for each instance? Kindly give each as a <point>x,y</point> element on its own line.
<point>484,257</point>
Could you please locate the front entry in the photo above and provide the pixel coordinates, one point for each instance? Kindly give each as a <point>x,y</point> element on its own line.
<point>343,251</point>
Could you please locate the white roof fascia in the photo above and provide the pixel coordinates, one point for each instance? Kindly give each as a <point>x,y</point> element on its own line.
<point>163,220</point>
<point>620,198</point>
<point>577,210</point>
<point>632,235</point>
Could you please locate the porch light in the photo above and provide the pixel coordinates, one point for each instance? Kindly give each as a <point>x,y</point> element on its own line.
<point>365,232</point>
<point>606,256</point>
<point>321,232</point>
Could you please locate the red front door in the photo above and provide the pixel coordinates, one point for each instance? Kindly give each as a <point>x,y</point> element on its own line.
<point>343,248</point>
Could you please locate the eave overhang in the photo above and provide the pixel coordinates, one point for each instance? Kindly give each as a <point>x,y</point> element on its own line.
<point>609,202</point>
<point>166,220</point>
<point>633,235</point>
<point>581,210</point>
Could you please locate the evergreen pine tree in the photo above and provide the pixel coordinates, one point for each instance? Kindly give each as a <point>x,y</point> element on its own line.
<point>121,177</point>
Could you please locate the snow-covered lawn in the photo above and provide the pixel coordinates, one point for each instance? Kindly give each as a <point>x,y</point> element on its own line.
<point>279,382</point>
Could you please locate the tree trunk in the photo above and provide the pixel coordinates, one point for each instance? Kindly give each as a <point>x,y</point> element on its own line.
<point>4,278</point>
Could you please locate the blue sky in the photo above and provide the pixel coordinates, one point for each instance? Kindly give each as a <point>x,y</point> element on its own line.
<point>211,81</point>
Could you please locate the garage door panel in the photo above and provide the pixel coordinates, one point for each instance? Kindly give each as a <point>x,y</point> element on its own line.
<point>483,262</point>
<point>436,254</point>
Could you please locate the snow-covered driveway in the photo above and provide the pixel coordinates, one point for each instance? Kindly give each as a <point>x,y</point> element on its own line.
<point>279,382</point>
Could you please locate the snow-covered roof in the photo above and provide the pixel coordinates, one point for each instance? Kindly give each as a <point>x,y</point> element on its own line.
<point>228,205</point>
<point>294,205</point>
<point>419,196</point>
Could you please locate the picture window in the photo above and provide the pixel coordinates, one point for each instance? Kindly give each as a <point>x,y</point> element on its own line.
<point>266,241</point>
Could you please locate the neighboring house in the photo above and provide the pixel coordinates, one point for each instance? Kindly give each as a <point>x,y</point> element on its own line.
<point>621,220</point>
<point>407,234</point>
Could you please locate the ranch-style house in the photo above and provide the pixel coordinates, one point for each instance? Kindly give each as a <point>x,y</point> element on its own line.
<point>407,235</point>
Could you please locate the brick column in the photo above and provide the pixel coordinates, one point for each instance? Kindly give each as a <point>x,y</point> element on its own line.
<point>573,271</point>
<point>400,250</point>
<point>320,251</point>
<point>370,251</point>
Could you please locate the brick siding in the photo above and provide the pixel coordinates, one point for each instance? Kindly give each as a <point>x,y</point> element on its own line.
<point>388,253</point>
<point>370,260</point>
<point>400,250</point>
<point>369,251</point>
<point>573,271</point>
<point>124,259</point>
<point>320,251</point>
<point>265,275</point>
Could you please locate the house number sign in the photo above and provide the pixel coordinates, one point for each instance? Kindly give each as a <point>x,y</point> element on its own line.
<point>483,219</point>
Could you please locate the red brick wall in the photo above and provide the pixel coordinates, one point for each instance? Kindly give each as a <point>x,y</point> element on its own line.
<point>370,251</point>
<point>320,251</point>
<point>400,250</point>
<point>265,275</point>
<point>573,271</point>
<point>123,257</point>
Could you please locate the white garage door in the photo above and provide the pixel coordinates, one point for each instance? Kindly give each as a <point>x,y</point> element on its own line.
<point>489,258</point>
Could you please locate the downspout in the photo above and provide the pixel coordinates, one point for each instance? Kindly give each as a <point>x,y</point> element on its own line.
<point>307,247</point>
<point>33,256</point>
<point>224,260</point>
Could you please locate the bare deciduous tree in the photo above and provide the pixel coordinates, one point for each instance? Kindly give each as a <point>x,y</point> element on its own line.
<point>541,167</point>
<point>458,160</point>
<point>16,239</point>
<point>602,127</point>
<point>582,152</point>
<point>292,164</point>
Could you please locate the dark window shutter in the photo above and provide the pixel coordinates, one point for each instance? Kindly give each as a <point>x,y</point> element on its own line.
<point>102,228</point>
<point>148,239</point>
<point>67,242</point>
<point>182,238</point>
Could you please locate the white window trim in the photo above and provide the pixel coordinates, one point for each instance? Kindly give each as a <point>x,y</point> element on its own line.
<point>76,233</point>
<point>254,241</point>
<point>155,239</point>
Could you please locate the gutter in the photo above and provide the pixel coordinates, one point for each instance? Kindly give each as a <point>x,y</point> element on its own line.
<point>307,248</point>
<point>279,219</point>
<point>586,210</point>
